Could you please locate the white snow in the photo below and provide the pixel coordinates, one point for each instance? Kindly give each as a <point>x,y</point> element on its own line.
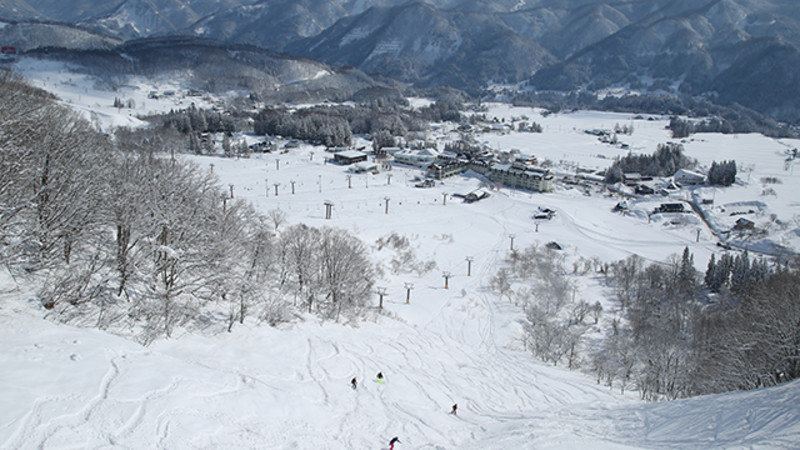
<point>287,388</point>
<point>356,34</point>
<point>95,100</point>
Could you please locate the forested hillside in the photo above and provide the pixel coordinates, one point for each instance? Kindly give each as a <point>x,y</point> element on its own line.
<point>130,239</point>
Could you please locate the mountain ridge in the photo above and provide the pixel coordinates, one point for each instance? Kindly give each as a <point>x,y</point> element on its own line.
<point>215,66</point>
<point>709,48</point>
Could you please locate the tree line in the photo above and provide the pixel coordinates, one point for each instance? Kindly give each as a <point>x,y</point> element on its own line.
<point>122,236</point>
<point>681,334</point>
<point>334,125</point>
<point>675,333</point>
<point>664,162</point>
<point>313,126</point>
<point>329,125</point>
<point>195,120</point>
<point>730,118</point>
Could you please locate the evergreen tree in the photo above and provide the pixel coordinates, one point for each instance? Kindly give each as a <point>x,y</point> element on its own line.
<point>227,150</point>
<point>687,280</point>
<point>723,174</point>
<point>718,272</point>
<point>740,273</point>
<point>711,270</point>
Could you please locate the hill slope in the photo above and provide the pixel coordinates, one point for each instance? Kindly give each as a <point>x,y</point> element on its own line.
<point>289,388</point>
<point>214,66</point>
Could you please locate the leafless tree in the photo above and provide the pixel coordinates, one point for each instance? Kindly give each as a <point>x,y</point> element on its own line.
<point>277,216</point>
<point>347,275</point>
<point>50,170</point>
<point>299,253</point>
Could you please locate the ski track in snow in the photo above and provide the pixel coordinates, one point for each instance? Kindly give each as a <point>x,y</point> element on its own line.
<point>262,388</point>
<point>454,356</point>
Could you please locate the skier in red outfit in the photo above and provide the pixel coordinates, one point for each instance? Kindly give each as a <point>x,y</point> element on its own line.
<point>392,442</point>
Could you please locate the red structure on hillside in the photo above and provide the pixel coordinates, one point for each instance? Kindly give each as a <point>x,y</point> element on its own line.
<point>8,53</point>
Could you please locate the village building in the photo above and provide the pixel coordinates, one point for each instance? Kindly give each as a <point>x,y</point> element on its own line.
<point>670,208</point>
<point>390,151</point>
<point>364,167</point>
<point>744,224</point>
<point>337,149</point>
<point>474,196</point>
<point>517,175</point>
<point>262,147</point>
<point>523,158</point>
<point>687,177</point>
<point>444,168</point>
<point>632,178</point>
<point>420,158</point>
<point>348,157</point>
<point>500,127</point>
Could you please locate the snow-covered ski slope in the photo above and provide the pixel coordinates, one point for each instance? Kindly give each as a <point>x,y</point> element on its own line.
<point>289,388</point>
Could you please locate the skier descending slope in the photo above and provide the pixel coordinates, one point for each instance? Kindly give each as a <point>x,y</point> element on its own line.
<point>394,440</point>
<point>354,383</point>
<point>379,378</point>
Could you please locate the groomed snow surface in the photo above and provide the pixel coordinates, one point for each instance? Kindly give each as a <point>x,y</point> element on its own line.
<point>289,388</point>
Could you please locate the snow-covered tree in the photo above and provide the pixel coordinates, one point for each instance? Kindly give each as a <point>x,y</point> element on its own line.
<point>346,273</point>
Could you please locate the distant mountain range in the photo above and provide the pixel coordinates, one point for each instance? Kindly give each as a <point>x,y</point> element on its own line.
<point>744,51</point>
<point>213,66</point>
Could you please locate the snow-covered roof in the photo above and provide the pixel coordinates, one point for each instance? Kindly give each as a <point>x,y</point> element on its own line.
<point>683,173</point>
<point>351,154</point>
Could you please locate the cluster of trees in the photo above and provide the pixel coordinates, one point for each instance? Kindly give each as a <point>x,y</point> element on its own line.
<point>676,333</point>
<point>335,125</point>
<point>127,238</point>
<point>313,126</point>
<point>737,274</point>
<point>443,110</point>
<point>533,127</point>
<point>677,340</point>
<point>623,129</point>
<point>373,119</point>
<point>330,125</point>
<point>683,128</point>
<point>130,103</point>
<point>556,323</point>
<point>194,120</point>
<point>402,257</point>
<point>650,346</point>
<point>679,335</point>
<point>666,160</point>
<point>329,270</point>
<point>723,174</point>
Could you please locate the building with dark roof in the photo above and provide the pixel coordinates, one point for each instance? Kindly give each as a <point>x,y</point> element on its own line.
<point>349,157</point>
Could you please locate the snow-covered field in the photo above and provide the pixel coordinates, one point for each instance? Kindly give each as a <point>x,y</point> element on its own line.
<point>260,387</point>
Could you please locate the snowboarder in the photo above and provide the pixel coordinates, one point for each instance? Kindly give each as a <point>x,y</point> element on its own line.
<point>393,441</point>
<point>354,383</point>
<point>380,378</point>
<point>455,407</point>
